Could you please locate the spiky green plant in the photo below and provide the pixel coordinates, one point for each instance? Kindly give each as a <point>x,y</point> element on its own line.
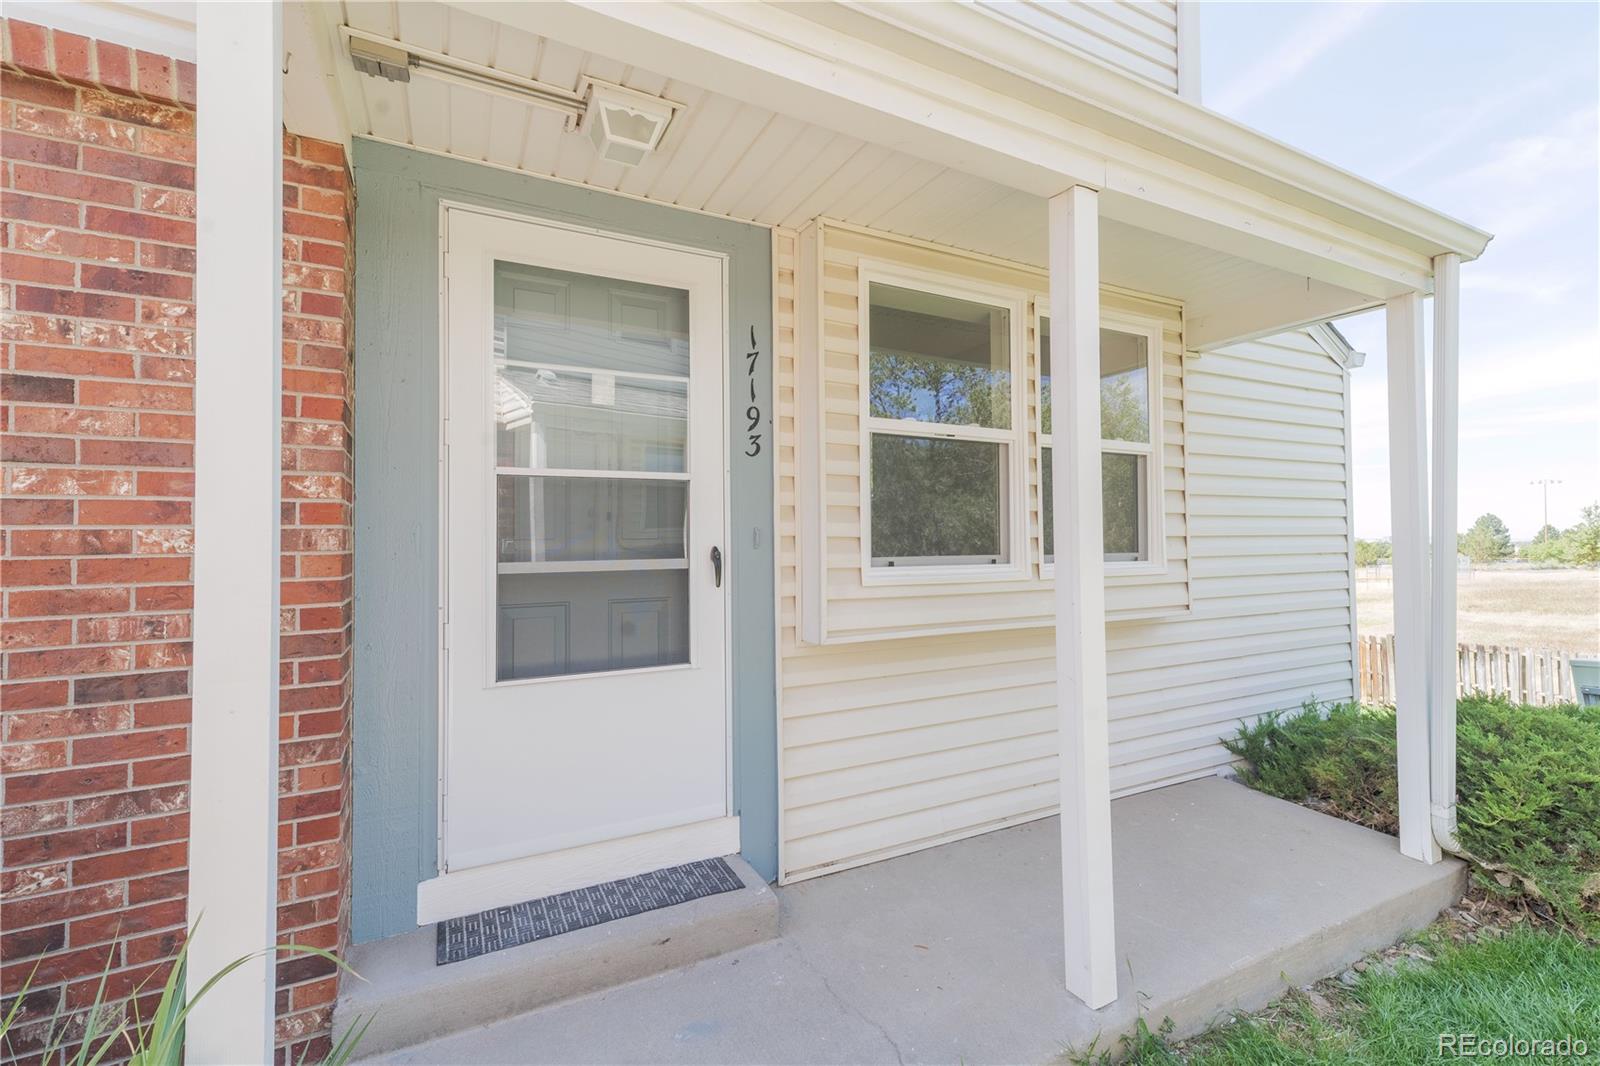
<point>158,1041</point>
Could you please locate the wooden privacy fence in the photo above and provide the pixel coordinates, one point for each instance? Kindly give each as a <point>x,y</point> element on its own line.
<point>1523,675</point>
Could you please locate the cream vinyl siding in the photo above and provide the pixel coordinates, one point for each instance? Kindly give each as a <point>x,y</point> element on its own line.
<point>1138,38</point>
<point>889,746</point>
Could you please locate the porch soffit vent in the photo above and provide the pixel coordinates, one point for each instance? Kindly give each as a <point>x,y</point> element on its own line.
<point>625,125</point>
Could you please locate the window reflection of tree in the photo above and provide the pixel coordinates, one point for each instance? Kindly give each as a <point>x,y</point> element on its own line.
<point>1124,410</point>
<point>1125,416</point>
<point>1119,480</point>
<point>936,498</point>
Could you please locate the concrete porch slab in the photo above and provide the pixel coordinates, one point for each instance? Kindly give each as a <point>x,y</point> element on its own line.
<point>955,954</point>
<point>410,999</point>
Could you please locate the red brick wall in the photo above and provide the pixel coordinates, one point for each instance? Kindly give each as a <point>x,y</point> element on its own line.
<point>97,268</point>
<point>96,427</point>
<point>318,493</point>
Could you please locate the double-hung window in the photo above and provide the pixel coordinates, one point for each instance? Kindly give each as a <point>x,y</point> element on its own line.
<point>942,420</point>
<point>1130,441</point>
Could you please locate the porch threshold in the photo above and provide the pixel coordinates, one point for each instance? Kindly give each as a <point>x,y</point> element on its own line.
<point>954,954</point>
<point>410,997</point>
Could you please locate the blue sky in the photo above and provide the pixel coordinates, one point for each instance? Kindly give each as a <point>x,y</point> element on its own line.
<point>1487,112</point>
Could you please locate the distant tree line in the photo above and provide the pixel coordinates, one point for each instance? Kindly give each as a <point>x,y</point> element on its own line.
<point>1489,541</point>
<point>1577,546</point>
<point>1372,552</point>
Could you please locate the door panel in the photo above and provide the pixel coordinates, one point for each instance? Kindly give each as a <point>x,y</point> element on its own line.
<point>586,472</point>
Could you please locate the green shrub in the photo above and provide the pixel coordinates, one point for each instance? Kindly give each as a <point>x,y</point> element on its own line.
<point>1527,784</point>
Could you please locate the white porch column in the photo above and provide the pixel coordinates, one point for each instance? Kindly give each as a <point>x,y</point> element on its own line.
<point>1087,906</point>
<point>1408,506</point>
<point>238,388</point>
<point>1442,632</point>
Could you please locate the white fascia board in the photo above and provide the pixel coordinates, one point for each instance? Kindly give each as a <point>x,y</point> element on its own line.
<point>1170,198</point>
<point>796,65</point>
<point>163,28</point>
<point>315,103</point>
<point>1178,126</point>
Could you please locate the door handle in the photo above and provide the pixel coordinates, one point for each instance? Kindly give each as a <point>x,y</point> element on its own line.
<point>716,565</point>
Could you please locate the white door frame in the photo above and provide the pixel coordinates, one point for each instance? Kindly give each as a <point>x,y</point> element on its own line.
<point>460,892</point>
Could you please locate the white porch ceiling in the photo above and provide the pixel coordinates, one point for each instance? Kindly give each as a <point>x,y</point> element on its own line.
<point>720,156</point>
<point>731,158</point>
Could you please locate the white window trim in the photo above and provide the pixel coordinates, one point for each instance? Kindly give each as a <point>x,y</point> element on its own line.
<point>1013,300</point>
<point>1155,466</point>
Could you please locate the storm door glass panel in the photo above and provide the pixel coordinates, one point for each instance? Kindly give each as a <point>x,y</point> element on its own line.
<point>591,406</point>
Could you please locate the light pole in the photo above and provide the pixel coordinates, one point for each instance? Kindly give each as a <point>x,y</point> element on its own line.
<point>1545,483</point>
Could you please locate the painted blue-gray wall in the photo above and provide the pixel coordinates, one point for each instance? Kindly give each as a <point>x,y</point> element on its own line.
<point>397,513</point>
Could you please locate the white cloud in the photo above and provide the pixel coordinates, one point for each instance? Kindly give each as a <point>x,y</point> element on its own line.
<point>1547,288</point>
<point>1566,147</point>
<point>1281,65</point>
<point>1565,368</point>
<point>1467,125</point>
<point>1530,181</point>
<point>1531,422</point>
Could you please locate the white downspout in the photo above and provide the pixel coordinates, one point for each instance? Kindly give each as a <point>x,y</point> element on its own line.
<point>1442,632</point>
<point>1413,640</point>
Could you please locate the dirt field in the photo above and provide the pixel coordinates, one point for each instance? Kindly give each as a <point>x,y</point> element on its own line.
<point>1521,608</point>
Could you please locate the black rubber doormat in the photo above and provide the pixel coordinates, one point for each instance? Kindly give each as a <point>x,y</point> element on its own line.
<point>523,923</point>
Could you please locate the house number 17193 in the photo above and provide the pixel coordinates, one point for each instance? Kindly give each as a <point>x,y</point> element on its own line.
<point>753,412</point>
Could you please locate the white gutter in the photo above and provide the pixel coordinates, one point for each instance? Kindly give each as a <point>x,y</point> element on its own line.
<point>1442,630</point>
<point>1337,345</point>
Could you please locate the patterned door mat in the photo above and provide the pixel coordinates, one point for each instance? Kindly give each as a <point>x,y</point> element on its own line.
<point>523,923</point>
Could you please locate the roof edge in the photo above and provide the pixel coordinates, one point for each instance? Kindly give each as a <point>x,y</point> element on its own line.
<point>1337,345</point>
<point>1011,49</point>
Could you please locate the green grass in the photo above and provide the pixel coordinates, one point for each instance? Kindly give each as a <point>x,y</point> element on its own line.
<point>1528,984</point>
<point>1528,785</point>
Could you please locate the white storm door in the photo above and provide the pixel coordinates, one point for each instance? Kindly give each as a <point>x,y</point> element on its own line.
<point>586,714</point>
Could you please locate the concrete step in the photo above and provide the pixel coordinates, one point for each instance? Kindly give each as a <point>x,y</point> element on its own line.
<point>410,999</point>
